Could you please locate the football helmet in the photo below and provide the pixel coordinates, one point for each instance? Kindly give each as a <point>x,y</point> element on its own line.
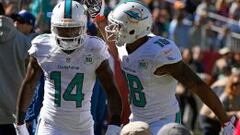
<point>128,22</point>
<point>68,24</point>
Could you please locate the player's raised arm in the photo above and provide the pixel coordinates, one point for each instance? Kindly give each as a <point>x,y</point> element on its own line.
<point>188,78</point>
<point>27,90</point>
<point>96,10</point>
<point>106,78</point>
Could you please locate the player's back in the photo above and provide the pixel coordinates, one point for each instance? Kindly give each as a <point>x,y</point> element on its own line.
<point>69,80</point>
<point>152,96</point>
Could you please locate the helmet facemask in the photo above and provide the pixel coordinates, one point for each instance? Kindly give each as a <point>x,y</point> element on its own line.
<point>69,38</point>
<point>115,33</point>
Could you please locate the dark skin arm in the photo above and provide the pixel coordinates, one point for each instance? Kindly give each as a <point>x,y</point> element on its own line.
<point>27,89</point>
<point>181,72</point>
<point>107,80</point>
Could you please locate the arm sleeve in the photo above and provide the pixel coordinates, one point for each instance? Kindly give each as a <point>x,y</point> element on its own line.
<point>102,52</point>
<point>33,50</point>
<point>168,55</point>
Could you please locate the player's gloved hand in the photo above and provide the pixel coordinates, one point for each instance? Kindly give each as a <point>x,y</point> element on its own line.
<point>21,129</point>
<point>113,130</point>
<point>95,7</point>
<point>228,127</point>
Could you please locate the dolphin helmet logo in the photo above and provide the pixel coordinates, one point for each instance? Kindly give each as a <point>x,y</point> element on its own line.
<point>135,15</point>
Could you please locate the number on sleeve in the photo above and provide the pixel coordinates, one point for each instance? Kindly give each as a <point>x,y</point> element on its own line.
<point>162,42</point>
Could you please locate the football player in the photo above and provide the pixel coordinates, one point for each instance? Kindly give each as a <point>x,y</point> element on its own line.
<point>153,66</point>
<point>70,61</point>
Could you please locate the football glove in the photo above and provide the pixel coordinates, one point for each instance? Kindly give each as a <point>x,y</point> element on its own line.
<point>95,7</point>
<point>228,127</point>
<point>113,130</point>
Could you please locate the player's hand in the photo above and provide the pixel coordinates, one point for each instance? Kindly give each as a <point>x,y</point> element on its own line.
<point>229,127</point>
<point>95,7</point>
<point>113,130</point>
<point>21,129</point>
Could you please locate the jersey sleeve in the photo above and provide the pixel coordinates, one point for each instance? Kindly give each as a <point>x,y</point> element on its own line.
<point>99,49</point>
<point>169,54</point>
<point>33,50</point>
<point>103,52</point>
<point>37,45</point>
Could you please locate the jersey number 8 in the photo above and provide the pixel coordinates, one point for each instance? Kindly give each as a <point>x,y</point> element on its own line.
<point>137,96</point>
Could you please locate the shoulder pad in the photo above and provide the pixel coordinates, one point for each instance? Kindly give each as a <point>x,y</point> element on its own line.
<point>41,38</point>
<point>95,43</point>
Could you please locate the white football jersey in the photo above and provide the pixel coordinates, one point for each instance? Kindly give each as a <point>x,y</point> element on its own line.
<point>69,80</point>
<point>152,97</point>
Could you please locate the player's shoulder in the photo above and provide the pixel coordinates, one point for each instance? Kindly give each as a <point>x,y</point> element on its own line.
<point>164,43</point>
<point>41,44</point>
<point>161,42</point>
<point>158,44</point>
<point>164,48</point>
<point>41,39</point>
<point>94,43</point>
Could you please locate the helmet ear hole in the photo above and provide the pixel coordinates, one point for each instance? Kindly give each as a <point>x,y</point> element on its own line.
<point>131,32</point>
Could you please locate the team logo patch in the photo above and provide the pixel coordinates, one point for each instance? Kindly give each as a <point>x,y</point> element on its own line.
<point>88,59</point>
<point>135,15</point>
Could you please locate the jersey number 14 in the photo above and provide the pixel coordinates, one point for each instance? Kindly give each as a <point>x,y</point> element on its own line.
<point>68,95</point>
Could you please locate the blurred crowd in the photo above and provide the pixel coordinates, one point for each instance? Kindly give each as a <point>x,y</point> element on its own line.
<point>206,31</point>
